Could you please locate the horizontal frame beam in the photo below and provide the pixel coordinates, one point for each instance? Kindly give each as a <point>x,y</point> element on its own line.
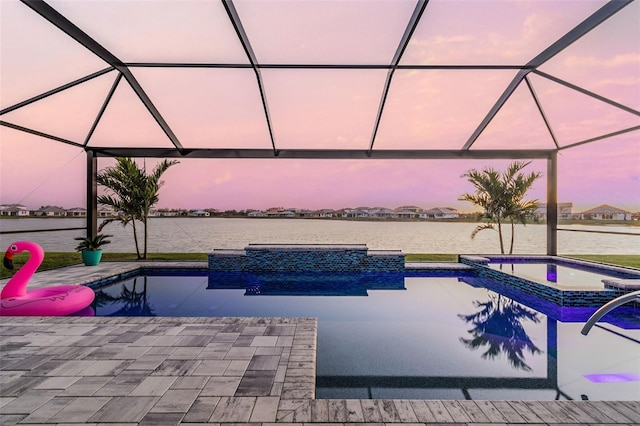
<point>347,154</point>
<point>325,66</point>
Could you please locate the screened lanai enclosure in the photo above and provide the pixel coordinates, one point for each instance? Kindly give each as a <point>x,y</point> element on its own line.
<point>373,80</point>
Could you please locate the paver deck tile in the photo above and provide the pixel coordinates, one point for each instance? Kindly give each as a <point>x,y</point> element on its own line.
<point>201,410</point>
<point>337,410</point>
<point>124,409</point>
<point>265,409</point>
<point>153,386</point>
<point>86,386</point>
<point>221,386</point>
<point>233,409</point>
<point>583,414</point>
<point>237,368</point>
<point>49,409</point>
<point>422,411</point>
<point>371,411</point>
<point>508,412</point>
<point>189,352</point>
<point>177,367</point>
<point>491,411</point>
<point>319,410</point>
<point>629,409</point>
<point>175,401</point>
<point>243,352</point>
<point>29,401</point>
<point>256,383</point>
<point>10,419</point>
<point>190,382</point>
<point>545,415</point>
<point>525,411</point>
<point>464,411</point>
<point>302,414</point>
<point>57,383</point>
<point>161,419</point>
<point>122,384</point>
<point>79,410</point>
<point>439,411</point>
<point>405,411</point>
<point>354,411</point>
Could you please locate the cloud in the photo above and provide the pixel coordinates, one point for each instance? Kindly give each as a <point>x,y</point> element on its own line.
<point>227,177</point>
<point>575,61</point>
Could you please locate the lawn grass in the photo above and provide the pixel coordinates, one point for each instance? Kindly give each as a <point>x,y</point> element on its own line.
<point>54,260</point>
<point>628,260</point>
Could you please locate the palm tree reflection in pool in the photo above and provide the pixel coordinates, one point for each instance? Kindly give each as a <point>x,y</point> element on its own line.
<point>498,325</point>
<point>131,302</point>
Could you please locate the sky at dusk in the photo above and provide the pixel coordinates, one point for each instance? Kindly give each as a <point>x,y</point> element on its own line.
<point>321,108</point>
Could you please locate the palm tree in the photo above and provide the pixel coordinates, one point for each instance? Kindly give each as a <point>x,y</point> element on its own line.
<point>501,196</point>
<point>131,192</point>
<point>498,326</point>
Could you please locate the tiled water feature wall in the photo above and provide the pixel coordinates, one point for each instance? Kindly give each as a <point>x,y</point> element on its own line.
<point>562,297</point>
<point>306,257</point>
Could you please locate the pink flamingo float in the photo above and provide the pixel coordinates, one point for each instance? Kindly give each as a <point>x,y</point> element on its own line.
<point>48,301</point>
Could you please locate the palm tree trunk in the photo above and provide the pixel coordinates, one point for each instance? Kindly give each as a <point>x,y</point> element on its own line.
<point>500,235</point>
<point>146,237</point>
<point>135,238</point>
<point>513,229</point>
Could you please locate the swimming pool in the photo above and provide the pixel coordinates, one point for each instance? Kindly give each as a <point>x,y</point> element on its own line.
<point>559,274</point>
<point>422,337</point>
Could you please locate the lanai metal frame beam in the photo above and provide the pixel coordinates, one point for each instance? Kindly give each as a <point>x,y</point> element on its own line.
<point>598,17</point>
<point>402,46</point>
<point>246,45</point>
<point>69,28</point>
<point>319,154</point>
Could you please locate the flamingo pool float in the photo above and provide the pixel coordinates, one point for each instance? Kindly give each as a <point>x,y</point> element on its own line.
<point>48,301</point>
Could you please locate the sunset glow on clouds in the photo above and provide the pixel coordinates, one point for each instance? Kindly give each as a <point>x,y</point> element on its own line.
<point>322,108</point>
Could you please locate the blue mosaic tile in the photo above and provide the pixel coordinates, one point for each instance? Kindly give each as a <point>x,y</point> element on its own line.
<point>566,298</point>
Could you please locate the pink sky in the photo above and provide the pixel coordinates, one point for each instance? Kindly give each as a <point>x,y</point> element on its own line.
<point>435,109</point>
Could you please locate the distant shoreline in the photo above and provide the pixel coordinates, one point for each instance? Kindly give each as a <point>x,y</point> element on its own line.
<point>584,222</point>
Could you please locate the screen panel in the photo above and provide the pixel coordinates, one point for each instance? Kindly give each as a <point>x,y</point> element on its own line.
<point>496,32</point>
<point>158,31</point>
<point>325,109</point>
<point>209,108</point>
<point>325,32</point>
<point>437,109</point>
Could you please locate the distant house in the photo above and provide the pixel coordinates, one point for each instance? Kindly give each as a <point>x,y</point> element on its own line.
<point>326,212</point>
<point>257,213</point>
<point>565,211</point>
<point>106,212</point>
<point>306,213</point>
<point>413,209</point>
<point>407,213</point>
<point>274,211</point>
<point>51,211</point>
<point>13,210</point>
<point>355,213</point>
<point>199,213</point>
<point>440,213</point>
<point>606,212</point>
<point>168,212</point>
<point>383,213</point>
<point>77,212</point>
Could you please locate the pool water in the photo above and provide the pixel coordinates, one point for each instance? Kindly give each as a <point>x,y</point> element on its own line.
<point>419,337</point>
<point>558,275</point>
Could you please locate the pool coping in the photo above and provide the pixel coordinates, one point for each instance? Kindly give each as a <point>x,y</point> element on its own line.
<point>34,384</point>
